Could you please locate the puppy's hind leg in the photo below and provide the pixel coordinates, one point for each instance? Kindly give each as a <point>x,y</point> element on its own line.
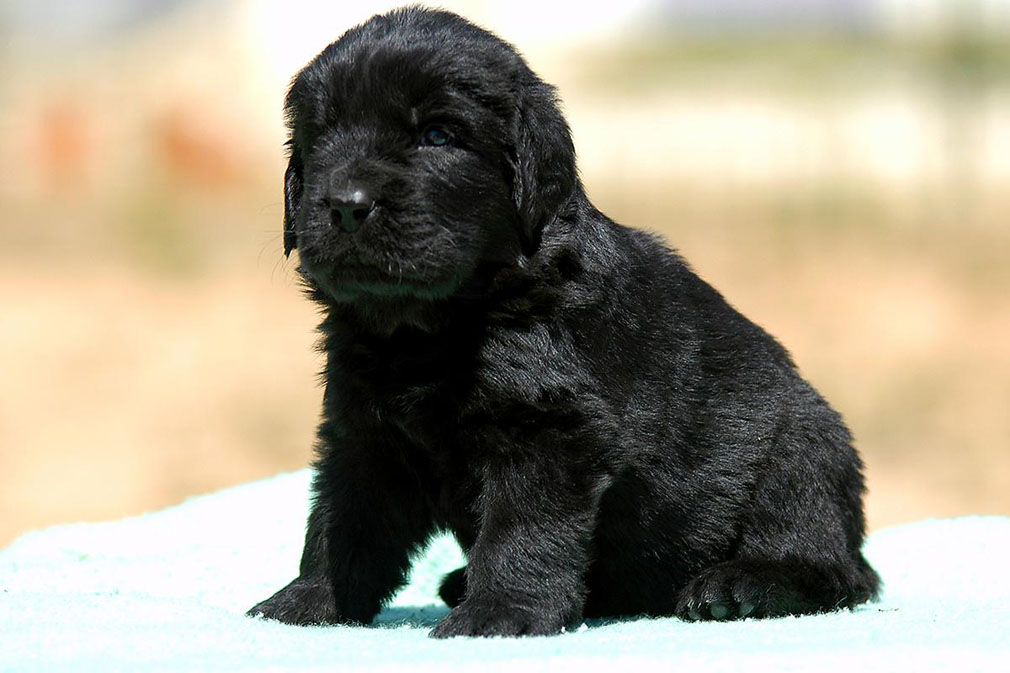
<point>775,588</point>
<point>799,545</point>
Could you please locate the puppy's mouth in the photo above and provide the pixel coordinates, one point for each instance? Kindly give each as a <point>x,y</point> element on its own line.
<point>353,281</point>
<point>352,268</point>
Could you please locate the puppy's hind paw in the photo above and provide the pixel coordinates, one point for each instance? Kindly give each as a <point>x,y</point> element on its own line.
<point>453,587</point>
<point>737,590</point>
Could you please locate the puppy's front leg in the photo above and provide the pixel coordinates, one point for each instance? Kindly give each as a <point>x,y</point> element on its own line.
<point>526,567</point>
<point>361,531</point>
<point>308,599</point>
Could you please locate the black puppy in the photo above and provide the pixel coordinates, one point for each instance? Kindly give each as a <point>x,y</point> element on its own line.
<point>600,430</point>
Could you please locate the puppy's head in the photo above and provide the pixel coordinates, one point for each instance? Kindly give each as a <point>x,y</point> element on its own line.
<point>423,150</point>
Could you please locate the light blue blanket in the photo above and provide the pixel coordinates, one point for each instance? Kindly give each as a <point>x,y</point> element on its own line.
<point>167,591</point>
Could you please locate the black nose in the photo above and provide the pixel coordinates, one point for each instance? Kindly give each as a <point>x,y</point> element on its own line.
<point>349,208</point>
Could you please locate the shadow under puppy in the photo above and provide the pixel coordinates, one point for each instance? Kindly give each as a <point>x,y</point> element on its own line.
<point>602,432</point>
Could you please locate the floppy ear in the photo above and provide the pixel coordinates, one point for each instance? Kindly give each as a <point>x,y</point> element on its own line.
<point>544,162</point>
<point>292,199</point>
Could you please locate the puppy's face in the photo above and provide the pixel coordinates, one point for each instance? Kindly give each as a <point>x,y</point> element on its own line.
<point>423,150</point>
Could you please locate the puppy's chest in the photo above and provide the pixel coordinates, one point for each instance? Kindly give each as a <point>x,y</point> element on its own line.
<point>410,392</point>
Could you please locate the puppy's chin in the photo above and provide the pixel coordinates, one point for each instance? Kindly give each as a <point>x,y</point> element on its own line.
<point>351,280</point>
<point>378,302</point>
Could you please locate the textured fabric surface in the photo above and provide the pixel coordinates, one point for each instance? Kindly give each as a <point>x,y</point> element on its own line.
<point>168,591</point>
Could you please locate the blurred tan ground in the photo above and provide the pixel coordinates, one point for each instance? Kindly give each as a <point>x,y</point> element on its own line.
<point>154,344</point>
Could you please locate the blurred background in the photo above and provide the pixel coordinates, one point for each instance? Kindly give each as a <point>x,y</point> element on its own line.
<point>839,169</point>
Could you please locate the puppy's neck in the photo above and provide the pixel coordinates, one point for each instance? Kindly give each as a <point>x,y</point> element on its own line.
<point>384,317</point>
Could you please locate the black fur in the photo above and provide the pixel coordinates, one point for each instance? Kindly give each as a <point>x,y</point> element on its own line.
<point>602,432</point>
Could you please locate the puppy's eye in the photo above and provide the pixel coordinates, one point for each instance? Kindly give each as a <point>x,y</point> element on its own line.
<point>436,136</point>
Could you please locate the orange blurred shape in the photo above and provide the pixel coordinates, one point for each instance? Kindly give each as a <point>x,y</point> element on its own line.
<point>196,148</point>
<point>64,142</point>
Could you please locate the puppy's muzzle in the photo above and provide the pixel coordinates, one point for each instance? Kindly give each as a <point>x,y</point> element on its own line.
<point>349,206</point>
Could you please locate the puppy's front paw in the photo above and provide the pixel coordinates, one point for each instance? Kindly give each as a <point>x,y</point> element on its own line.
<point>491,618</point>
<point>302,603</point>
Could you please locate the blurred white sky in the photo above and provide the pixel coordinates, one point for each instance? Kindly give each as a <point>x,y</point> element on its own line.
<point>54,22</point>
<point>236,57</point>
<point>284,34</point>
<point>288,40</point>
